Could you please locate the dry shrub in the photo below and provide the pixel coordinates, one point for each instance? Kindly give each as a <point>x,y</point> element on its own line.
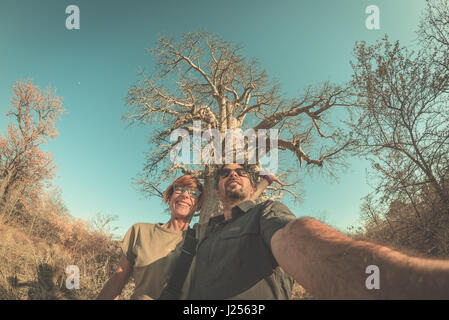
<point>421,229</point>
<point>40,239</point>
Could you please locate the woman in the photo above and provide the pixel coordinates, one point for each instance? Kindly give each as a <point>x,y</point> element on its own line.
<point>150,250</point>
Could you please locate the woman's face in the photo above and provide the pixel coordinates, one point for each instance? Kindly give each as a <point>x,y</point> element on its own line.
<point>183,201</point>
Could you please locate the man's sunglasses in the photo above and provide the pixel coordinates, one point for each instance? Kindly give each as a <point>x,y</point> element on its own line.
<point>193,192</point>
<point>240,171</point>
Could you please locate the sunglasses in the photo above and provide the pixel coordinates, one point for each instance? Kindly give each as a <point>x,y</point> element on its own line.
<point>240,171</point>
<point>193,192</point>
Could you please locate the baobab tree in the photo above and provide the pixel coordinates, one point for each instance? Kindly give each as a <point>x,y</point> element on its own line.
<point>204,78</point>
<point>24,167</point>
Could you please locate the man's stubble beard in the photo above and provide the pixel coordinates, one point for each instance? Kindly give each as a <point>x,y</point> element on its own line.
<point>235,194</point>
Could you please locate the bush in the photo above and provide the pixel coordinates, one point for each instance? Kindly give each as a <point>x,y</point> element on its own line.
<point>40,239</point>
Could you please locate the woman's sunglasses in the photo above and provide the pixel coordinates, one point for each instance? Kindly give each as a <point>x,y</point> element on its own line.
<point>193,192</point>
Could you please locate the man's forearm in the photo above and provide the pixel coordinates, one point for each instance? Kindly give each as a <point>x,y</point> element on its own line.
<point>331,265</point>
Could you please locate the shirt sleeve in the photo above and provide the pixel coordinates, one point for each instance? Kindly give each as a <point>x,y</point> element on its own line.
<point>274,217</point>
<point>128,244</point>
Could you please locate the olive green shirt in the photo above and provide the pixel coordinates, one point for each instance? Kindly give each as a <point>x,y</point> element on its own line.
<point>152,250</point>
<point>234,258</point>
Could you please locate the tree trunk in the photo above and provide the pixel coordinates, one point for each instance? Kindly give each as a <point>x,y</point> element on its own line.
<point>4,185</point>
<point>211,205</point>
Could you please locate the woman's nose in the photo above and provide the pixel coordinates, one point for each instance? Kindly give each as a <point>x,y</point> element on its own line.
<point>185,193</point>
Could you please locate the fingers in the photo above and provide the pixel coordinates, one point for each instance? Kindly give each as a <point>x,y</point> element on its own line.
<point>276,179</point>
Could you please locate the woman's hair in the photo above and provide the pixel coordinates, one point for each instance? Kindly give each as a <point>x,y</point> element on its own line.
<point>187,181</point>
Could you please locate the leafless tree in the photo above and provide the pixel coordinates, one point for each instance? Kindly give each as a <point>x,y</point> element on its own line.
<point>433,31</point>
<point>202,77</point>
<point>403,124</point>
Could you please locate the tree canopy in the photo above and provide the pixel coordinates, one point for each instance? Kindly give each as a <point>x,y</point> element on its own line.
<point>204,78</point>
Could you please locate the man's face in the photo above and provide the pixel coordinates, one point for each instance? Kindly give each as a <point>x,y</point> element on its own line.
<point>234,183</point>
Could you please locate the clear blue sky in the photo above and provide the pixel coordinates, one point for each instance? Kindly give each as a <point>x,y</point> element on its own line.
<point>298,42</point>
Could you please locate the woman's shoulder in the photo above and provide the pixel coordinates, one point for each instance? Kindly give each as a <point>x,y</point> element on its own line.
<point>142,231</point>
<point>143,226</point>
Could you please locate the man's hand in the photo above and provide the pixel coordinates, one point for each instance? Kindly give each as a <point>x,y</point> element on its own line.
<point>275,179</point>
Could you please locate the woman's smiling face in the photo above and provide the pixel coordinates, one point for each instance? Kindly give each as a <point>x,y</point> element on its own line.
<point>183,201</point>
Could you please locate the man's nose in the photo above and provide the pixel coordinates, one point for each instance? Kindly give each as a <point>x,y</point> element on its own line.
<point>233,174</point>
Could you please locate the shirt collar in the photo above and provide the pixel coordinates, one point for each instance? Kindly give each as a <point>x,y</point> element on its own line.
<point>236,212</point>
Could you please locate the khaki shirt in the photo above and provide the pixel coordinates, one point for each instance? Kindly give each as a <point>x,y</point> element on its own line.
<point>151,249</point>
<point>234,259</point>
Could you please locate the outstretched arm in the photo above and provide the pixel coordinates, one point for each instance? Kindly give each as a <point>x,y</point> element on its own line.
<point>331,265</point>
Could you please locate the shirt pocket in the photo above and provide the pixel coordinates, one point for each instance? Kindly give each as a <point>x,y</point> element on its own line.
<point>241,262</point>
<point>239,232</point>
<point>240,249</point>
<point>236,244</point>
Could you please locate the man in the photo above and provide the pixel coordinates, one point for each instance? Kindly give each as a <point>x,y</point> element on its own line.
<point>251,251</point>
<point>234,259</point>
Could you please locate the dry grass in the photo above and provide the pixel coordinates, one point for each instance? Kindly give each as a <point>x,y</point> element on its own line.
<point>36,249</point>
